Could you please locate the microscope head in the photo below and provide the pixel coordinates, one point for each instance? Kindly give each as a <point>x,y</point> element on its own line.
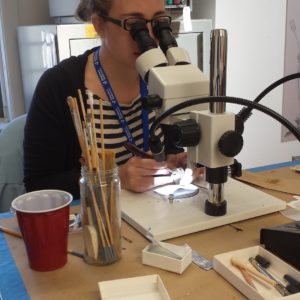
<point>163,33</point>
<point>151,56</point>
<point>140,34</point>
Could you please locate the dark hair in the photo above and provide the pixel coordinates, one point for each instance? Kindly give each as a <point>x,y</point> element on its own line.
<point>86,8</point>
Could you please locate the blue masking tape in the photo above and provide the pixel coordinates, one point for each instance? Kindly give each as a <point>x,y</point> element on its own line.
<point>274,166</point>
<point>11,283</point>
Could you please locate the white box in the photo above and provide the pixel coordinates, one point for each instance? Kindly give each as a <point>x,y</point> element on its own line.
<point>166,262</point>
<point>148,287</point>
<point>222,264</point>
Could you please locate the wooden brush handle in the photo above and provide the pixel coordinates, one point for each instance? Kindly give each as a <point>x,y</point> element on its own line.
<point>236,262</point>
<point>136,151</point>
<point>10,232</point>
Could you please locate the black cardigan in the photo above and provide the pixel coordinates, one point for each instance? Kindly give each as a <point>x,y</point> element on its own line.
<point>51,148</point>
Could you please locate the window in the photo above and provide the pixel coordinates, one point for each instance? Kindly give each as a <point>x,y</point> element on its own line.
<point>3,110</point>
<point>1,104</point>
<point>3,79</point>
<point>11,94</point>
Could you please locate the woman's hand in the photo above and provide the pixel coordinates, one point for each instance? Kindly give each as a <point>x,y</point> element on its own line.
<point>180,161</point>
<point>177,160</point>
<point>138,174</point>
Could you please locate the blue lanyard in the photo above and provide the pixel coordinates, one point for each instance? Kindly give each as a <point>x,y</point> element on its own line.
<point>115,104</point>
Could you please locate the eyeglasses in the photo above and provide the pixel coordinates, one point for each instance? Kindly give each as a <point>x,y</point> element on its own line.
<point>127,23</point>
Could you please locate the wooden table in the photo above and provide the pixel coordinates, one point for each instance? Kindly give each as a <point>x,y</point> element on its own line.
<point>78,280</point>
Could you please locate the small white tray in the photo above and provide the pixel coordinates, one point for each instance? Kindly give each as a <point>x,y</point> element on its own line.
<point>148,287</point>
<point>169,263</point>
<point>278,268</point>
<point>296,168</point>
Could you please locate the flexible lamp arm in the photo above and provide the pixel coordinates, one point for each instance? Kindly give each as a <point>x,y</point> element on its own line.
<point>245,112</point>
<point>227,99</point>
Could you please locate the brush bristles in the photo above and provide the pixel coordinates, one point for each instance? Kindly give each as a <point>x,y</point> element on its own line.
<point>110,159</point>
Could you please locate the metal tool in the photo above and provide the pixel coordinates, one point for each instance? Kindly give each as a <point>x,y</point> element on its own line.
<point>201,261</point>
<point>157,247</point>
<point>75,221</point>
<point>278,285</point>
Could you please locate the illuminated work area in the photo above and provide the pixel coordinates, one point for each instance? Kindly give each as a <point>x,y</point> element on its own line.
<point>150,150</point>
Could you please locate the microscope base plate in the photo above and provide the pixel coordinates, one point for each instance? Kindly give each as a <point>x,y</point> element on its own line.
<point>183,216</point>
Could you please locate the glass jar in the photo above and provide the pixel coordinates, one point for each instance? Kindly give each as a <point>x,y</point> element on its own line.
<point>101,216</point>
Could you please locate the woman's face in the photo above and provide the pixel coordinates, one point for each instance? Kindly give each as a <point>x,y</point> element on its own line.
<point>117,41</point>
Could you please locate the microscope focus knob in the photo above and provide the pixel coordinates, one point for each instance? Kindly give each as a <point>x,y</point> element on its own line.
<point>151,102</point>
<point>185,133</point>
<point>230,143</point>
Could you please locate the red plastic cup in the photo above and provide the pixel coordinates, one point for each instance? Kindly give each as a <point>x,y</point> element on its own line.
<point>43,218</point>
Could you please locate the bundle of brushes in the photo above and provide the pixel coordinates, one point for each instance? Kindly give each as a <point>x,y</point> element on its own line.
<point>98,188</point>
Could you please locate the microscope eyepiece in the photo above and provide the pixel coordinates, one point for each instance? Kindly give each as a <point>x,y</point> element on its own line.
<point>140,33</point>
<point>163,32</point>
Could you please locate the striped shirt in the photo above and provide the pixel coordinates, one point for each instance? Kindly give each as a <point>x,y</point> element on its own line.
<point>114,136</point>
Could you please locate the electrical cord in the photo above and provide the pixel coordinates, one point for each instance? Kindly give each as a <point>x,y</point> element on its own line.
<point>246,112</point>
<point>225,99</point>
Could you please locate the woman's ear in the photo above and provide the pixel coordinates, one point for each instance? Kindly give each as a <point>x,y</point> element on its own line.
<point>98,23</point>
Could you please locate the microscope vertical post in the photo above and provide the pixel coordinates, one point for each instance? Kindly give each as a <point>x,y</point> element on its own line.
<point>216,177</point>
<point>218,68</point>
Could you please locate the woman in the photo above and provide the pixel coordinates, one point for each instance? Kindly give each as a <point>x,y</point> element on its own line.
<point>51,148</point>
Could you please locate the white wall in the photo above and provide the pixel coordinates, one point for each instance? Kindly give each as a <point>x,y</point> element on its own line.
<point>256,41</point>
<point>204,9</point>
<point>12,14</point>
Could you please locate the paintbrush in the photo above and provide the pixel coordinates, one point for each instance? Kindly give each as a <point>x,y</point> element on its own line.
<point>140,153</point>
<point>136,151</point>
<point>10,232</point>
<point>96,166</point>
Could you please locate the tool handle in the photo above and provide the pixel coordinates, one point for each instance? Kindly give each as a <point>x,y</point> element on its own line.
<point>236,262</point>
<point>292,280</point>
<point>136,151</point>
<point>10,231</point>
